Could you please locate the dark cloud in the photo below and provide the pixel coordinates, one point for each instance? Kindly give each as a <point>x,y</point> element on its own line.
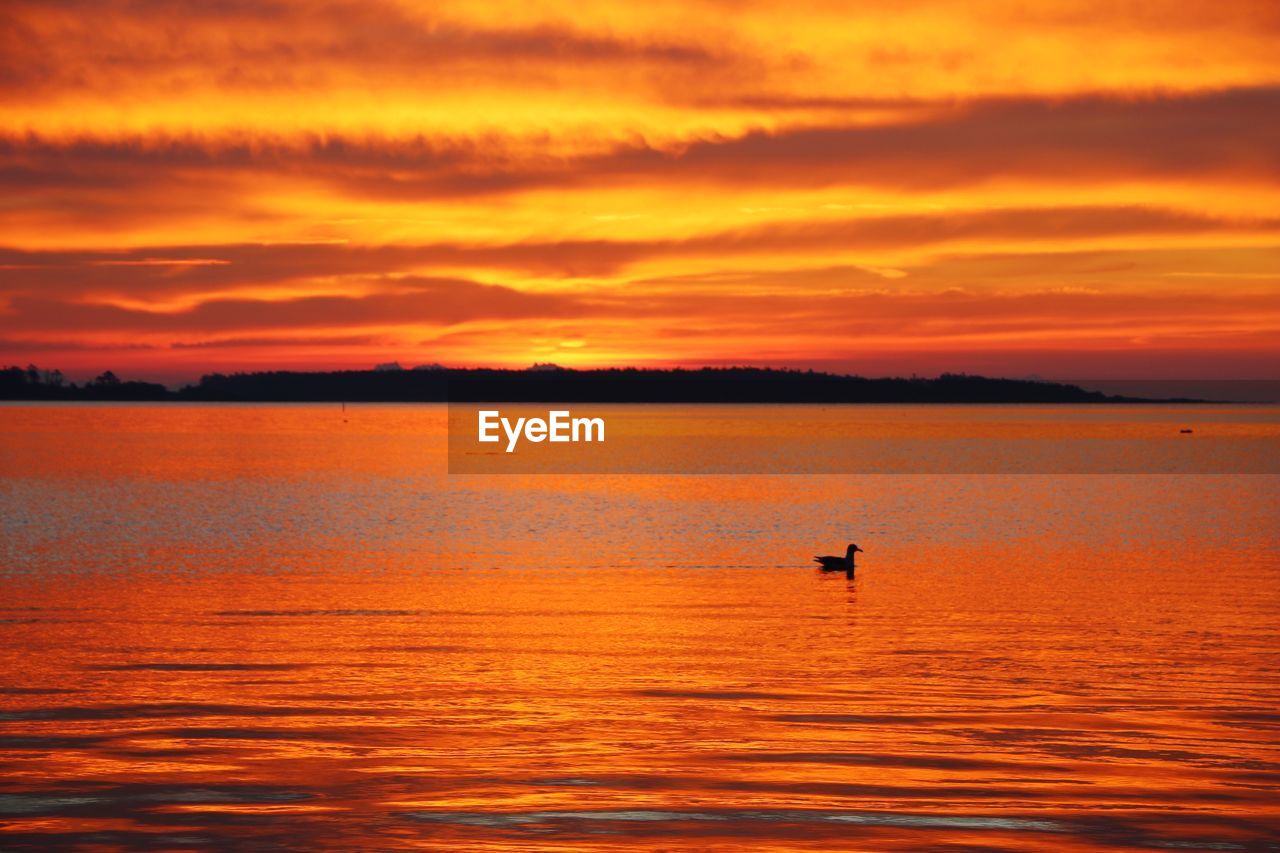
<point>844,315</point>
<point>298,341</point>
<point>158,270</point>
<point>109,47</point>
<point>1002,224</point>
<point>1079,139</point>
<point>15,346</point>
<point>428,302</point>
<point>1230,135</point>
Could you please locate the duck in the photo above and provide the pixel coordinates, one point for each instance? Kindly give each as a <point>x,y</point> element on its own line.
<point>839,564</point>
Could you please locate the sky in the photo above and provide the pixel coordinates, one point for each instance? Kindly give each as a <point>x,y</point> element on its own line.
<point>1065,188</point>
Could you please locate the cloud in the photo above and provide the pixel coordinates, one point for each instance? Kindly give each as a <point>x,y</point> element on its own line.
<point>15,346</point>
<point>108,47</point>
<point>1230,134</point>
<point>665,180</point>
<point>1089,138</point>
<point>845,315</point>
<point>290,341</point>
<point>425,302</point>
<point>204,269</point>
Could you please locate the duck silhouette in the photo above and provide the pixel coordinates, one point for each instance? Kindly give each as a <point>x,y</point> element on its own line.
<point>839,564</point>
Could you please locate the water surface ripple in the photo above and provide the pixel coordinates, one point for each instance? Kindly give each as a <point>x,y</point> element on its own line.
<point>268,627</point>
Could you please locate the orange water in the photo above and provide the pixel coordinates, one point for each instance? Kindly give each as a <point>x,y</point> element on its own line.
<point>283,625</point>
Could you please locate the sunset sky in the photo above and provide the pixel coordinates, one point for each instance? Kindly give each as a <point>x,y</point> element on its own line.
<point>1070,188</point>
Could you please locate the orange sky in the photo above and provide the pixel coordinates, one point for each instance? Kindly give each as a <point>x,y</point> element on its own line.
<point>1075,188</point>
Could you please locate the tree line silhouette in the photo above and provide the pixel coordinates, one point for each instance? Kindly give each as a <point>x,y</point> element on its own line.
<point>550,384</point>
<point>32,383</point>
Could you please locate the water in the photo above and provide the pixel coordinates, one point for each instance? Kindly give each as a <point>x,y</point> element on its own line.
<point>285,625</point>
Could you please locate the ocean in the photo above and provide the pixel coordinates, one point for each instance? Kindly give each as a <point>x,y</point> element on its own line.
<point>288,626</point>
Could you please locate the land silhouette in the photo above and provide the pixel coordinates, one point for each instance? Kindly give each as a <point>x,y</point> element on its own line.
<point>32,383</point>
<point>548,383</point>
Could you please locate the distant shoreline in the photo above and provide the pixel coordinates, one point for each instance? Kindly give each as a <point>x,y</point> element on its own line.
<point>550,384</point>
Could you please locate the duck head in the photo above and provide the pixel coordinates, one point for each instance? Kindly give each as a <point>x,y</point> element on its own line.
<point>853,549</point>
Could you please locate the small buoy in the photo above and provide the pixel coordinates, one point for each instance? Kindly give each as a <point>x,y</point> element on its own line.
<point>1184,431</point>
